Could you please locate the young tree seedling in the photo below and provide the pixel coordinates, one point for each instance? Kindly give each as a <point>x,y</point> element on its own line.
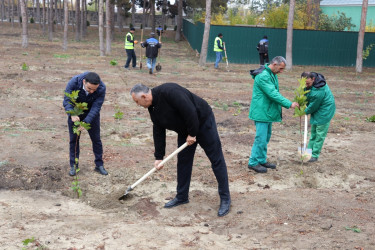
<point>79,108</point>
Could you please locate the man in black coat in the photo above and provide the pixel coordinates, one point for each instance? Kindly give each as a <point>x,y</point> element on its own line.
<point>92,91</point>
<point>176,108</point>
<point>262,48</point>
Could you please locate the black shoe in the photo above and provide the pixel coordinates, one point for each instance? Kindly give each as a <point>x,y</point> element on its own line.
<point>175,202</point>
<point>258,168</point>
<point>150,71</point>
<point>224,208</point>
<point>313,159</point>
<point>268,165</point>
<point>72,171</point>
<point>101,170</point>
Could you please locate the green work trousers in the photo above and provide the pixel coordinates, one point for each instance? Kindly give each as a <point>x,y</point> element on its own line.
<point>259,149</point>
<point>318,135</point>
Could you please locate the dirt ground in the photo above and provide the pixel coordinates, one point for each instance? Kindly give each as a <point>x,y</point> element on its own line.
<point>297,206</point>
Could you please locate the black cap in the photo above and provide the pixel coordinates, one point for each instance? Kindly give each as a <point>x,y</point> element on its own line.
<point>132,29</point>
<point>220,34</point>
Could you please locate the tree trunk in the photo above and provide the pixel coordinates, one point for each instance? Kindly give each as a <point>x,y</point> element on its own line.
<point>44,18</point>
<point>101,28</point>
<point>50,24</point>
<point>163,13</point>
<point>108,27</point>
<point>19,13</point>
<point>82,22</point>
<point>289,35</point>
<point>179,22</point>
<point>316,13</point>
<point>152,10</point>
<point>206,34</point>
<point>112,21</point>
<point>2,10</point>
<point>73,19</point>
<point>361,36</point>
<point>85,19</point>
<point>66,23</point>
<point>144,15</point>
<point>78,29</point>
<point>25,38</point>
<point>133,13</point>
<point>120,18</point>
<point>38,13</point>
<point>12,13</point>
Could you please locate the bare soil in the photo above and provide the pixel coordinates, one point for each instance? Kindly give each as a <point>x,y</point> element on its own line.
<point>296,206</point>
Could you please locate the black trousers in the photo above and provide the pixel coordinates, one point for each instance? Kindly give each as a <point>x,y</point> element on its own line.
<point>131,56</point>
<point>263,57</point>
<point>94,133</point>
<point>208,139</point>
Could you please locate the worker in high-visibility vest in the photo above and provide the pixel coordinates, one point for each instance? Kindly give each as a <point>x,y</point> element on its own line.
<point>129,48</point>
<point>218,48</point>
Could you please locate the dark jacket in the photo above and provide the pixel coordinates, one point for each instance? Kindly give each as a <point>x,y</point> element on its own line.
<point>94,101</point>
<point>152,46</point>
<point>263,46</point>
<point>175,108</point>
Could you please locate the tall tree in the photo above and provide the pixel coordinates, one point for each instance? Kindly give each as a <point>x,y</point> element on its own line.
<point>38,13</point>
<point>133,13</point>
<point>25,39</point>
<point>101,28</point>
<point>44,18</point>
<point>50,22</point>
<point>152,10</point>
<point>206,34</point>
<point>108,27</point>
<point>78,26</point>
<point>164,12</point>
<point>289,35</point>
<point>179,22</point>
<point>66,23</point>
<point>82,22</point>
<point>361,36</point>
<point>2,10</point>
<point>12,12</point>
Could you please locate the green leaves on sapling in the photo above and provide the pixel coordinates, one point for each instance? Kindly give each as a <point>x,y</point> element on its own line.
<point>300,98</point>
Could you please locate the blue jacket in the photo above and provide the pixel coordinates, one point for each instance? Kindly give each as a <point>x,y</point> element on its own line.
<point>152,46</point>
<point>94,101</point>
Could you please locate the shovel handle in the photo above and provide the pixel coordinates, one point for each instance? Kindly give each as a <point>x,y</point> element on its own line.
<point>160,164</point>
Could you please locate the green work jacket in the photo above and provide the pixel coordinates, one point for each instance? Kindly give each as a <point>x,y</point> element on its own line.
<point>129,45</point>
<point>266,101</point>
<point>321,105</point>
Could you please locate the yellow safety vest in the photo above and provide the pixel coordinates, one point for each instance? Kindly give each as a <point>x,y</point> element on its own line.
<point>129,45</point>
<point>216,48</point>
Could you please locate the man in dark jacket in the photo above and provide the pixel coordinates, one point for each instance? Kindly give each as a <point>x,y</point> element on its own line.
<point>176,108</point>
<point>92,91</point>
<point>321,106</point>
<point>152,46</point>
<point>263,50</point>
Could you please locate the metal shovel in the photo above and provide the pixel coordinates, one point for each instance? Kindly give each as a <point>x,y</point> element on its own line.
<point>130,188</point>
<point>305,152</point>
<point>140,51</point>
<point>226,57</point>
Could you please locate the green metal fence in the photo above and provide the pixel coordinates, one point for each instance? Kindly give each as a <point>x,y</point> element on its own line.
<point>310,47</point>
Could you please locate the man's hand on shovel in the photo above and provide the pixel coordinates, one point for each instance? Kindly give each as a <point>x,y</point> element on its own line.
<point>190,140</point>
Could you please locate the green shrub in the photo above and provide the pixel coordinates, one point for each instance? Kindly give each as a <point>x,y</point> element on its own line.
<point>87,23</point>
<point>32,20</point>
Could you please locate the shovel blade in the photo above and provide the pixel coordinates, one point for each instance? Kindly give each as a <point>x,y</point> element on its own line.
<point>158,67</point>
<point>124,196</point>
<point>305,153</point>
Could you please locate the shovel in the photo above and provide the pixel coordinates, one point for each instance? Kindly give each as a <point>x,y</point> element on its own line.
<point>305,152</point>
<point>158,67</point>
<point>130,188</point>
<point>140,51</point>
<point>226,57</point>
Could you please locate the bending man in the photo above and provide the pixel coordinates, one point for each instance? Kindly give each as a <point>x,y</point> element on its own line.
<point>176,108</point>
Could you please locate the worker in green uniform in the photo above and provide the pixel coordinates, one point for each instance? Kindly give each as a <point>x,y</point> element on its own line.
<point>265,108</point>
<point>321,106</point>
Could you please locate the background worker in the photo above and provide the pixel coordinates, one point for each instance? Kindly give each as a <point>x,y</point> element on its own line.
<point>218,48</point>
<point>129,48</point>
<point>176,108</point>
<point>92,91</point>
<point>321,106</point>
<point>159,30</point>
<point>152,46</point>
<point>265,108</point>
<point>263,50</point>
